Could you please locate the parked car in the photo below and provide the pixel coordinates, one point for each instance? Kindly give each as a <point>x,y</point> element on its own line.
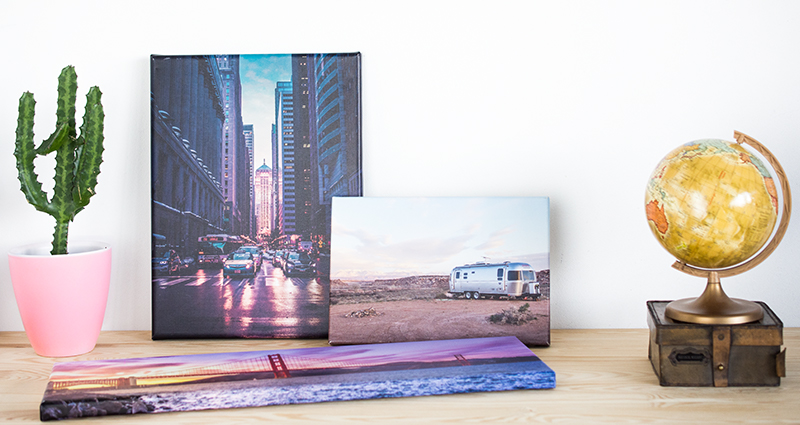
<point>239,263</point>
<point>298,263</point>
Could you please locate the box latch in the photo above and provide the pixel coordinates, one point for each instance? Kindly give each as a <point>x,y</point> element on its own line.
<point>721,345</point>
<point>780,364</point>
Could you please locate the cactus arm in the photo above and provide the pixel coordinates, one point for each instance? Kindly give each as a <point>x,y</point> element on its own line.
<point>61,203</point>
<point>90,150</point>
<point>67,92</point>
<point>55,141</point>
<point>25,153</point>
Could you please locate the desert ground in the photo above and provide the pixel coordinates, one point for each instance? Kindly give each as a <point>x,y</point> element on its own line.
<point>418,308</point>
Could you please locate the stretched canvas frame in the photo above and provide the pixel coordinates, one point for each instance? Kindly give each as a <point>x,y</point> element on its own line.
<point>405,269</point>
<point>303,375</point>
<point>247,153</point>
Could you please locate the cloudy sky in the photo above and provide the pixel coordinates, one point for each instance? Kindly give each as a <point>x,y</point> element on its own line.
<point>397,237</point>
<point>259,73</point>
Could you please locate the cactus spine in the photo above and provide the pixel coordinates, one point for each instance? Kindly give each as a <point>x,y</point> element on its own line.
<point>78,156</point>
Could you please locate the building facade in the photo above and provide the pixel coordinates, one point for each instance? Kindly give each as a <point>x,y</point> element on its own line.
<point>235,156</point>
<point>338,138</point>
<point>283,158</point>
<point>305,184</point>
<point>187,119</point>
<point>249,142</point>
<point>263,198</point>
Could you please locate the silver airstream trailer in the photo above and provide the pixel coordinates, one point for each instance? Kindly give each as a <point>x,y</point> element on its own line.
<point>513,280</point>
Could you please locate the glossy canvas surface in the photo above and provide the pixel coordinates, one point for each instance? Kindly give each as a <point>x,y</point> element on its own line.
<point>306,375</point>
<point>247,153</point>
<point>406,269</point>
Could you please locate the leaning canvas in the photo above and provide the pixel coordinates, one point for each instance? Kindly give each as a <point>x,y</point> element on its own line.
<point>305,375</point>
<point>405,269</point>
<point>247,153</point>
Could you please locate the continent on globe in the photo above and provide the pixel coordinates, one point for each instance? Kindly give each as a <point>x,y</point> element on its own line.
<point>711,203</point>
<point>656,215</point>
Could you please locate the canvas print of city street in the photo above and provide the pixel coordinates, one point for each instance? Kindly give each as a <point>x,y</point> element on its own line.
<point>247,153</point>
<point>406,269</point>
<point>305,375</point>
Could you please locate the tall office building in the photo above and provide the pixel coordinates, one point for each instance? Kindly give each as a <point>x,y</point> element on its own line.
<point>263,198</point>
<point>187,119</point>
<point>305,185</point>
<point>284,157</point>
<point>249,141</point>
<point>235,156</point>
<point>277,182</point>
<point>337,138</point>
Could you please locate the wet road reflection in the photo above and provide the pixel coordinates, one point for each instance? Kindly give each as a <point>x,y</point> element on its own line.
<point>208,304</point>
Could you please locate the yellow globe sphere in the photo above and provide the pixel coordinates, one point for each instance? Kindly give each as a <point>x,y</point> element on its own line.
<point>711,203</point>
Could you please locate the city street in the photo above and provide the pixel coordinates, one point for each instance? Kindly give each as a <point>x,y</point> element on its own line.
<point>269,305</point>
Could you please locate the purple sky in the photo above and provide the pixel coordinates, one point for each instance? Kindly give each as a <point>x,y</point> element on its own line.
<point>478,348</point>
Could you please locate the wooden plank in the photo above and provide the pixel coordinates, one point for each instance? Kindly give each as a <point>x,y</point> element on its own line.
<point>603,376</point>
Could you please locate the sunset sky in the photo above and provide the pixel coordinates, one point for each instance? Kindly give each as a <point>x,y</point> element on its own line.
<point>398,237</point>
<point>362,354</point>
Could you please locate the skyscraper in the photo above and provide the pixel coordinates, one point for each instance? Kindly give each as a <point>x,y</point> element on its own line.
<point>263,191</point>
<point>284,156</point>
<point>249,141</point>
<point>304,122</point>
<point>337,138</point>
<point>277,181</point>
<point>235,155</point>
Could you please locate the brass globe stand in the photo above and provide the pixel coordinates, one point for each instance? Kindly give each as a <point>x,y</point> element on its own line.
<point>714,307</point>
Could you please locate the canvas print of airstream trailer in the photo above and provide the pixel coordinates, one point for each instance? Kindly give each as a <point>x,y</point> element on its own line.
<point>406,269</point>
<point>495,280</point>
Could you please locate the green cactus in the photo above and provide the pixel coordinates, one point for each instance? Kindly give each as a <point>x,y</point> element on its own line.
<point>78,157</point>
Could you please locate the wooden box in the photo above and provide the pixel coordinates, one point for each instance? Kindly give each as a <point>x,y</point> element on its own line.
<point>695,355</point>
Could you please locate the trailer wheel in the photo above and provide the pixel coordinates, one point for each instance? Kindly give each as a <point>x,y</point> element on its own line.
<point>468,295</point>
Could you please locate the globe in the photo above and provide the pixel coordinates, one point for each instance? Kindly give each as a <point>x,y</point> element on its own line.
<point>711,204</point>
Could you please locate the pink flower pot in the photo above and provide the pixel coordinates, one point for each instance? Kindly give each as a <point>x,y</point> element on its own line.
<point>61,298</point>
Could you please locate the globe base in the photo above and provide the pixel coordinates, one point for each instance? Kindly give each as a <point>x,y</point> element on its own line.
<point>714,307</point>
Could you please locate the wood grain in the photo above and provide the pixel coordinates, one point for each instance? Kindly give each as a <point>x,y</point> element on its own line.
<point>602,376</point>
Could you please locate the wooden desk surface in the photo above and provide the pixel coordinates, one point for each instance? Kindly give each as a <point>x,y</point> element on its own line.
<point>601,376</point>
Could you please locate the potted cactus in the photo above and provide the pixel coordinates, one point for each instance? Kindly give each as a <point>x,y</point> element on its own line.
<point>62,289</point>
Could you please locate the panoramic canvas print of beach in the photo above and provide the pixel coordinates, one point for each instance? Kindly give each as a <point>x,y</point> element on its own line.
<point>409,269</point>
<point>305,375</point>
<point>247,153</point>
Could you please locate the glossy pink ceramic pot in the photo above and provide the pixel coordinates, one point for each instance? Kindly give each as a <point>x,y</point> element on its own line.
<point>61,298</point>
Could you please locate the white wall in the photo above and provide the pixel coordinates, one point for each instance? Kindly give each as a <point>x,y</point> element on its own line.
<point>573,100</point>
